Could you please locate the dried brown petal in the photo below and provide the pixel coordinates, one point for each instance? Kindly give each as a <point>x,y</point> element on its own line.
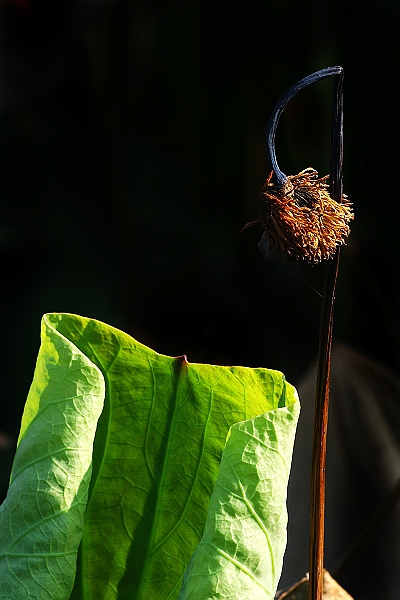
<point>332,590</point>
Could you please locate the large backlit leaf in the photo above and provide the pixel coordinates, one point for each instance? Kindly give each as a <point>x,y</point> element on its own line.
<point>241,552</point>
<point>156,456</point>
<point>41,520</point>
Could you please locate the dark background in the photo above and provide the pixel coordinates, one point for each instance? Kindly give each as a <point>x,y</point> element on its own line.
<point>132,153</point>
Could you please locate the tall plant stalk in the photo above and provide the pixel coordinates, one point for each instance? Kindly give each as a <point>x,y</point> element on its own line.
<point>317,516</point>
<point>302,221</point>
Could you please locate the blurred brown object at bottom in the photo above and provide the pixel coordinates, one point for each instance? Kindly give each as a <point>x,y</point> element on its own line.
<point>332,590</point>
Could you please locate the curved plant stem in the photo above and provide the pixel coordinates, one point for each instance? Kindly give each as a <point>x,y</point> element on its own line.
<point>280,178</point>
<point>317,516</point>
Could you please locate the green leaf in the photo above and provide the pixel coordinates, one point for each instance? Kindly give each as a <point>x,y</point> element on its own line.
<point>240,555</point>
<point>41,520</point>
<point>156,456</point>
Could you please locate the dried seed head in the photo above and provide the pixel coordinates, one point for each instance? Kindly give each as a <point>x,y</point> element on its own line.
<point>301,221</point>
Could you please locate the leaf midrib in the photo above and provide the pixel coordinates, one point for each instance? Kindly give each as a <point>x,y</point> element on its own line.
<point>150,547</point>
<point>168,535</point>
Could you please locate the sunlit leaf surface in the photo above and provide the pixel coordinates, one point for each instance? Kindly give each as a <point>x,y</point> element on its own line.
<point>156,456</point>
<point>240,554</point>
<point>41,520</point>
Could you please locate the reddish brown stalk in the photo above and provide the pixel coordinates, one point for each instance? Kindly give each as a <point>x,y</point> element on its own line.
<point>303,222</point>
<point>317,517</point>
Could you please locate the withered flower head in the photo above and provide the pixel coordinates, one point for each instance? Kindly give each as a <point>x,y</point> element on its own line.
<point>301,221</point>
